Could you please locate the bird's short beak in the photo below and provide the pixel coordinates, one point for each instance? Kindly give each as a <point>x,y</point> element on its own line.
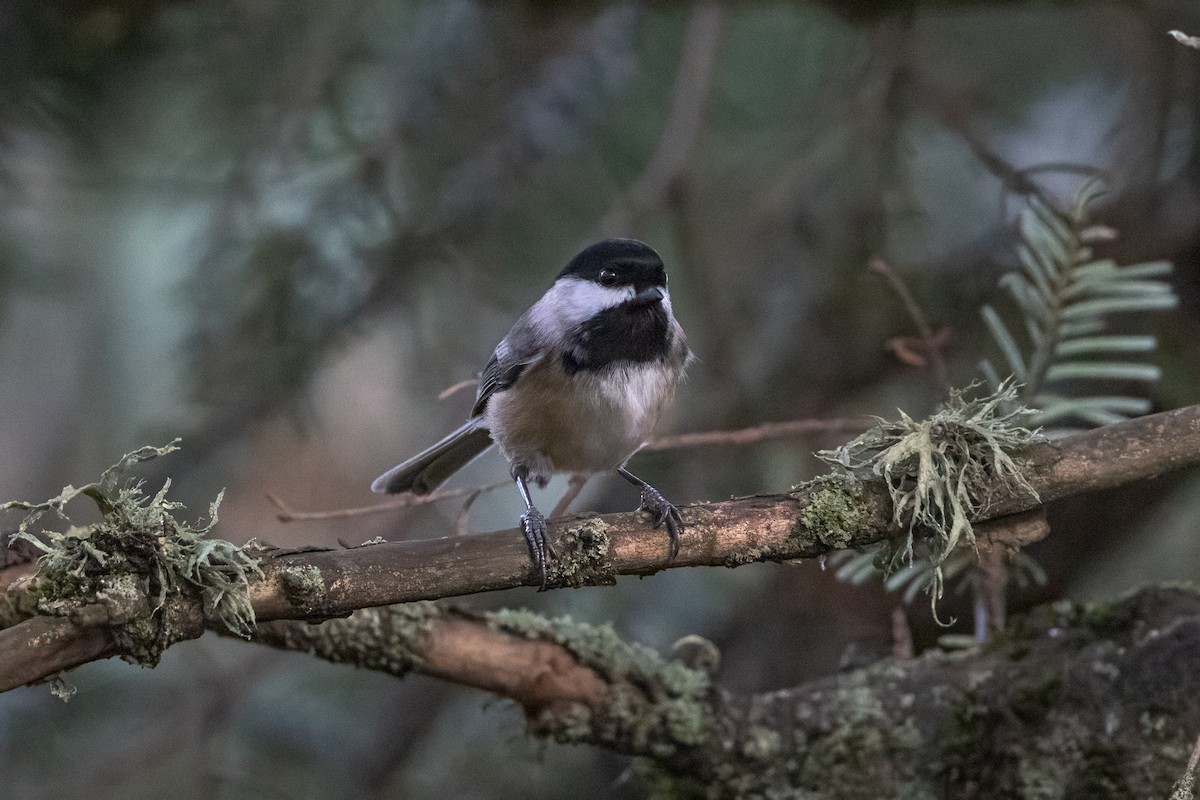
<point>651,294</point>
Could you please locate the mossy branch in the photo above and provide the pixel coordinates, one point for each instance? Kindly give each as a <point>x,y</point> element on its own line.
<point>1017,718</point>
<point>132,584</point>
<point>575,682</point>
<point>815,518</point>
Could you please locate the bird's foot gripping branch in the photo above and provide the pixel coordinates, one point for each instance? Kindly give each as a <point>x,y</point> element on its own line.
<point>143,578</point>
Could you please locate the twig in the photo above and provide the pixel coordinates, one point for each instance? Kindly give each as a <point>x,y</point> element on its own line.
<point>674,152</point>
<point>756,433</point>
<point>996,540</point>
<point>458,387</point>
<point>288,514</point>
<point>902,642</point>
<point>933,343</point>
<point>990,588</point>
<point>462,524</point>
<point>741,436</point>
<point>574,487</point>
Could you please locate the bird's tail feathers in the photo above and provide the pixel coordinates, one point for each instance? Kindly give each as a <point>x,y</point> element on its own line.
<point>430,468</point>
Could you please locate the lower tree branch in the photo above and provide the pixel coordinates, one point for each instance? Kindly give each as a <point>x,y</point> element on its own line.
<point>1016,718</point>
<point>447,643</point>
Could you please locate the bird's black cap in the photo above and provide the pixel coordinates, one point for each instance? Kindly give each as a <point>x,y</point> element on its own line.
<point>635,263</point>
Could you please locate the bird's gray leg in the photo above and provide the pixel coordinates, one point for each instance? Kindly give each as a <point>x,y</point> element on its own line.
<point>659,508</point>
<point>533,523</point>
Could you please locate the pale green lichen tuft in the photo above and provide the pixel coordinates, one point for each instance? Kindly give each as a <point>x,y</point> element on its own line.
<point>687,722</point>
<point>61,689</point>
<point>139,550</point>
<point>653,700</point>
<point>940,471</point>
<point>762,744</point>
<point>584,556</point>
<point>859,754</point>
<point>835,510</point>
<point>390,639</point>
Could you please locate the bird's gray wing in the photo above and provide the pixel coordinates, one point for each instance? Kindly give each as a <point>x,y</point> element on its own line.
<point>516,351</point>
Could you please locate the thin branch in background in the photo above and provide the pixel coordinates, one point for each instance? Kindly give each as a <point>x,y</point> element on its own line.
<point>757,433</point>
<point>458,387</point>
<point>1085,171</point>
<point>957,117</point>
<point>902,642</point>
<point>990,586</point>
<point>956,114</point>
<point>288,514</point>
<point>933,343</point>
<point>741,436</point>
<point>574,487</point>
<point>912,350</point>
<point>674,153</point>
<point>462,524</point>
<point>997,540</point>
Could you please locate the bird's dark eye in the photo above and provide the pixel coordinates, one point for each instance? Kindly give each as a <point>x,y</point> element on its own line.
<point>608,277</point>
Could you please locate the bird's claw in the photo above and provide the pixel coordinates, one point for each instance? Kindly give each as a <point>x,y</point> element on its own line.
<point>537,534</point>
<point>662,512</point>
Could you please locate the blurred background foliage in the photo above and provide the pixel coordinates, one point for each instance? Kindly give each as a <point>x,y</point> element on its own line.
<point>278,229</point>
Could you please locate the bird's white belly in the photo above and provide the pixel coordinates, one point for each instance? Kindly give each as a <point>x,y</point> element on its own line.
<point>583,422</point>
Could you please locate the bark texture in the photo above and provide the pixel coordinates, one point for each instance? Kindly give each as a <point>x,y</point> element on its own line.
<point>1072,701</point>
<point>818,517</point>
<point>823,515</point>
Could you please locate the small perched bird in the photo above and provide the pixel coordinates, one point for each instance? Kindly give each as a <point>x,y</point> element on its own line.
<point>575,387</point>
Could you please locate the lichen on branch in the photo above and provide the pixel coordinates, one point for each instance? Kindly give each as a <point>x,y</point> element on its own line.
<point>941,471</point>
<point>653,704</point>
<point>139,563</point>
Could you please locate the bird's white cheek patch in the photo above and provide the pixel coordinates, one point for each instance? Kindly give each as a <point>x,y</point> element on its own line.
<point>572,301</point>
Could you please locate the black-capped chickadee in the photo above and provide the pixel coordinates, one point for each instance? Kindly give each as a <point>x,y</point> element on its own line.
<point>575,387</point>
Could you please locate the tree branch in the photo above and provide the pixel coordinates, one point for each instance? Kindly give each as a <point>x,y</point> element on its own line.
<point>681,130</point>
<point>43,646</point>
<point>932,346</point>
<point>816,518</point>
<point>452,644</point>
<point>983,721</point>
<point>595,549</point>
